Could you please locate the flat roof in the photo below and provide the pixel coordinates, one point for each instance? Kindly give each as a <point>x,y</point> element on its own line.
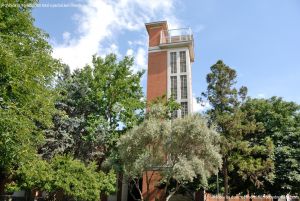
<point>157,23</point>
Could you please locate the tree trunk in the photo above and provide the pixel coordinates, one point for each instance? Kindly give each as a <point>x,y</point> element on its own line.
<point>140,192</point>
<point>103,197</point>
<point>200,195</point>
<point>3,181</point>
<point>120,185</point>
<point>147,186</point>
<point>225,173</point>
<point>29,195</point>
<point>173,193</point>
<point>170,195</point>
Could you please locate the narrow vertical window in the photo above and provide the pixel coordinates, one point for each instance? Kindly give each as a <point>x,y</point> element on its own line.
<point>174,87</point>
<point>173,62</point>
<point>183,86</point>
<point>184,109</point>
<point>182,61</point>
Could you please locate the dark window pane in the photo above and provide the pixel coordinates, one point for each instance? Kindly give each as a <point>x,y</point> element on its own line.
<point>174,87</point>
<point>182,62</point>
<point>173,62</point>
<point>183,83</point>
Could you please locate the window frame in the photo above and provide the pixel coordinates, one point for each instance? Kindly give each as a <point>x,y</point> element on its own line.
<point>182,63</point>
<point>173,62</point>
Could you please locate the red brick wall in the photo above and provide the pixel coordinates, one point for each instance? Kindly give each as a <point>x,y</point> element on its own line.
<point>157,75</point>
<point>154,36</point>
<point>156,87</point>
<point>154,193</point>
<point>154,32</point>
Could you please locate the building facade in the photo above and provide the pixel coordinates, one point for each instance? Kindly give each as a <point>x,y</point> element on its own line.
<point>170,57</point>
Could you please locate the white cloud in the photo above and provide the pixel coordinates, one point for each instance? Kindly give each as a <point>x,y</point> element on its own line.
<point>141,58</point>
<point>137,42</point>
<point>66,36</point>
<point>129,52</point>
<point>200,107</point>
<point>112,48</point>
<point>261,95</point>
<point>101,22</point>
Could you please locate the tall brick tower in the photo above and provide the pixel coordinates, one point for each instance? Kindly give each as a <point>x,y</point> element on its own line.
<point>170,55</point>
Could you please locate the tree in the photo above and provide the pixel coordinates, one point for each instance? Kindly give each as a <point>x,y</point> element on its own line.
<point>64,176</point>
<point>281,122</point>
<point>243,159</point>
<point>27,71</point>
<point>28,76</point>
<point>181,150</point>
<point>98,103</point>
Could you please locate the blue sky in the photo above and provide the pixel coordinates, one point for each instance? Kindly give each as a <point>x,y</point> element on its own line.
<point>260,39</point>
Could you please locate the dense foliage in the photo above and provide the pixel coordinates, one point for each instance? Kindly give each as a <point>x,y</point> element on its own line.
<point>64,176</point>
<point>175,148</point>
<point>281,122</point>
<point>58,127</point>
<point>26,94</point>
<point>97,104</point>
<point>244,161</point>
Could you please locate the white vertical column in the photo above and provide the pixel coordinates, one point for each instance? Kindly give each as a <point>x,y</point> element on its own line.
<point>178,76</point>
<point>168,75</point>
<point>189,82</point>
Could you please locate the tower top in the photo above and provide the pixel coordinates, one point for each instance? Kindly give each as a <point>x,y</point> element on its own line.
<point>158,24</point>
<point>163,38</point>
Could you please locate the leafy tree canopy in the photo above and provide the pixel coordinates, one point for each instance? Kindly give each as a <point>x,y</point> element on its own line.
<point>182,149</point>
<point>98,103</point>
<point>281,122</point>
<point>65,176</point>
<point>243,160</point>
<point>27,97</point>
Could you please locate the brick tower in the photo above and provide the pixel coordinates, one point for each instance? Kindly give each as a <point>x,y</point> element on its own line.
<point>170,55</point>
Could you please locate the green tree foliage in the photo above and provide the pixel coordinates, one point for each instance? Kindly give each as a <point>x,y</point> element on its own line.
<point>64,176</point>
<point>163,107</point>
<point>26,94</point>
<point>244,160</point>
<point>28,76</point>
<point>182,150</point>
<point>281,122</point>
<point>98,103</point>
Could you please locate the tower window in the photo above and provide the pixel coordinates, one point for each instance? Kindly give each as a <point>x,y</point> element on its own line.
<point>184,109</point>
<point>173,62</point>
<point>182,61</point>
<point>174,87</point>
<point>183,84</point>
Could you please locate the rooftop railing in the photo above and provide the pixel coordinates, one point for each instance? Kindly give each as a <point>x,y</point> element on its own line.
<point>176,35</point>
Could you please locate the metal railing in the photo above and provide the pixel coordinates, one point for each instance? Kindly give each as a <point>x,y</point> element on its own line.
<point>176,35</point>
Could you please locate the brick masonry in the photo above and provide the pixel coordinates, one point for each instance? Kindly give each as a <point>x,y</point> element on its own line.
<point>156,87</point>
<point>157,75</point>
